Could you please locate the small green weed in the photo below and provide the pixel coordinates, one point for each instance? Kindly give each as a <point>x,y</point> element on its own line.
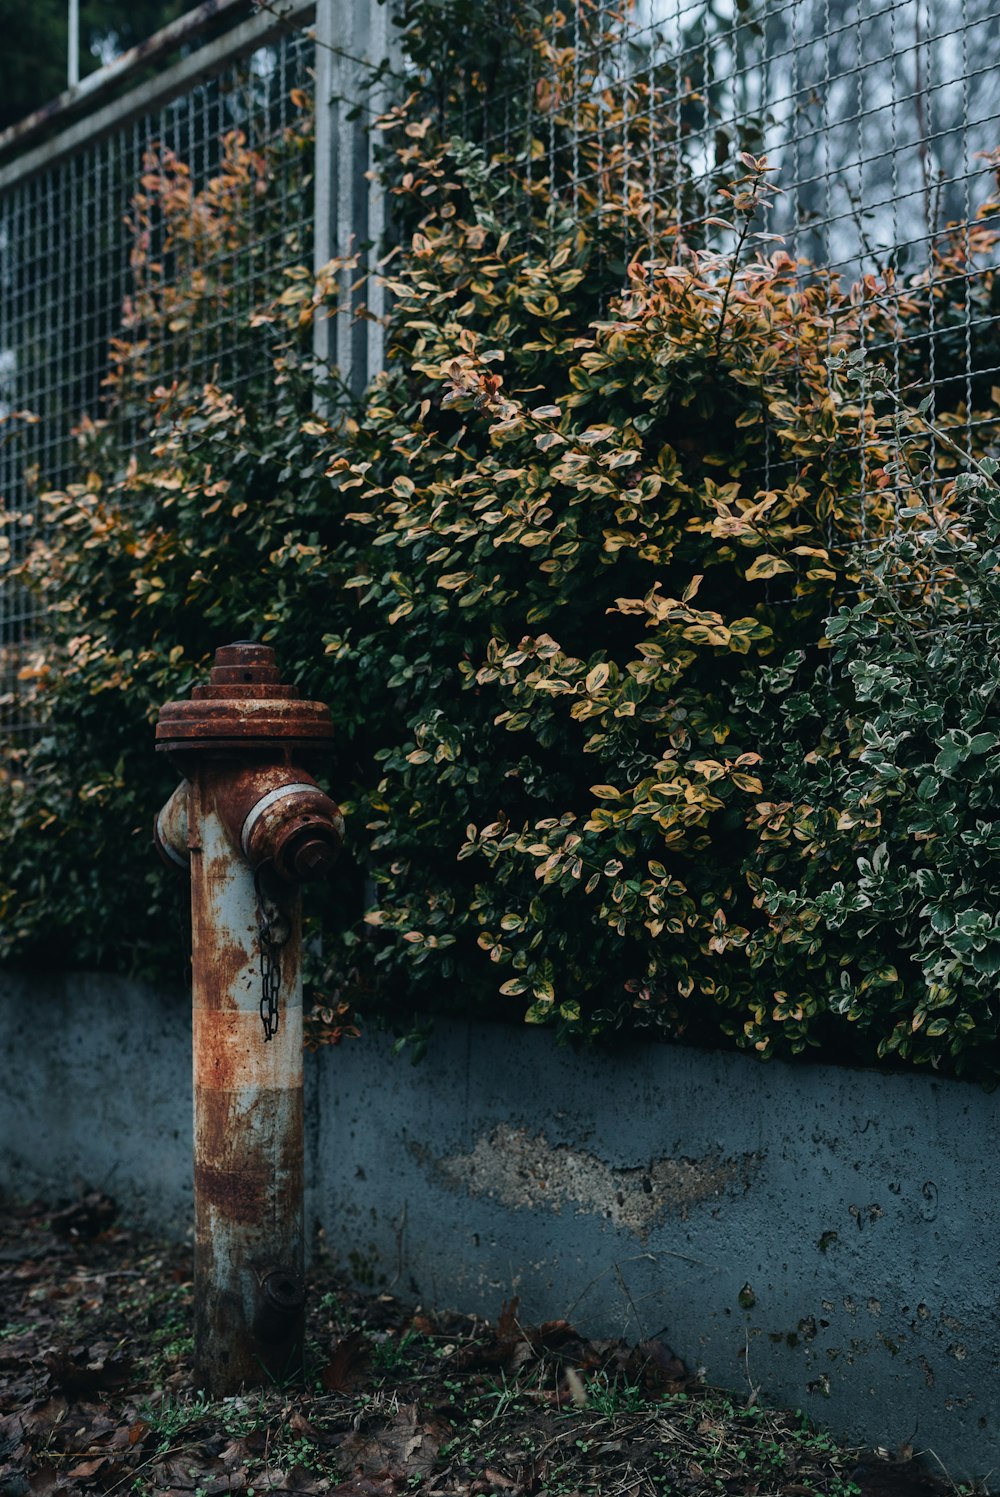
<point>390,1355</point>
<point>296,1450</point>
<point>170,1419</point>
<point>244,1415</point>
<point>176,1349</point>
<point>612,1395</point>
<point>331,1306</point>
<point>501,1398</point>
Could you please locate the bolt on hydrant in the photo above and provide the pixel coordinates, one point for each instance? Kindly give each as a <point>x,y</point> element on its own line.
<point>251,824</point>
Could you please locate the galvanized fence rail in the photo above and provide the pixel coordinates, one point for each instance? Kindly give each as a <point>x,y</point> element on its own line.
<point>880,119</point>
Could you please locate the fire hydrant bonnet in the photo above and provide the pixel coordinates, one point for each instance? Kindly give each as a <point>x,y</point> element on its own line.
<point>244,706</point>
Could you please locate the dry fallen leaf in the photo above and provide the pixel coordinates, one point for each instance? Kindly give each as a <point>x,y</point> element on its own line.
<point>577,1391</point>
<point>348,1364</point>
<point>365,1486</point>
<point>406,1447</point>
<point>87,1468</point>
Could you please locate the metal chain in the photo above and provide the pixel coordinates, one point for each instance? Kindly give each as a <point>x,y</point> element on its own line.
<point>274,930</point>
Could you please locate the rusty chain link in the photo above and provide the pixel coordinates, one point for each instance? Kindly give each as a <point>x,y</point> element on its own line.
<point>273,928</point>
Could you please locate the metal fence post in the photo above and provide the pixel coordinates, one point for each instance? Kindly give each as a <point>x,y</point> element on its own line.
<point>352,38</point>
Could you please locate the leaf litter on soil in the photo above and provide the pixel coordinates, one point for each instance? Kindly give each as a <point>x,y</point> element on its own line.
<point>97,1396</point>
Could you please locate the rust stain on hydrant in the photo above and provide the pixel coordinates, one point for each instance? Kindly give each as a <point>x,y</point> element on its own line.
<point>251,824</point>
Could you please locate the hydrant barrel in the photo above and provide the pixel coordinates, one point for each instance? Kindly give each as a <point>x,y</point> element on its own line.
<point>253,824</point>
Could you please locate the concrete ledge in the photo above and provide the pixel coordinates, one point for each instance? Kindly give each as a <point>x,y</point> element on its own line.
<point>97,1091</point>
<point>828,1236</point>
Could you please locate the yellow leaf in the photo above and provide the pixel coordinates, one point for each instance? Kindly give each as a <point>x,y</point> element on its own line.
<point>767,566</point>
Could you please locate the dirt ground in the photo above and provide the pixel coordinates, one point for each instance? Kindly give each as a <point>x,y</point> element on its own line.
<point>97,1395</point>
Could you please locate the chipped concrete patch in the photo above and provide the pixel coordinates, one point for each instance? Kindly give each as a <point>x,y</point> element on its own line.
<point>523,1172</point>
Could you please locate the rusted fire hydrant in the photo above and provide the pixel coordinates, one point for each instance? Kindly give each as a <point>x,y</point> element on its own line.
<point>251,824</point>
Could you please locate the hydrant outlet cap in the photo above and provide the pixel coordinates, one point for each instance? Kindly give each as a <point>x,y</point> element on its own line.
<point>244,705</point>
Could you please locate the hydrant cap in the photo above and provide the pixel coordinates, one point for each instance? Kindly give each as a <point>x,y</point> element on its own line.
<point>245,705</point>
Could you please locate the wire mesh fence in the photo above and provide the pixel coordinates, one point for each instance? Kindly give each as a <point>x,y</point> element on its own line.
<point>880,124</point>
<point>879,121</point>
<point>85,251</point>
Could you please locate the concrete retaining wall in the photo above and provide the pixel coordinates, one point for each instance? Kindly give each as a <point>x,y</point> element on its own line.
<point>828,1236</point>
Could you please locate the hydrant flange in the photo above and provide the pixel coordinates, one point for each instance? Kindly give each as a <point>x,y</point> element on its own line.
<point>244,706</point>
